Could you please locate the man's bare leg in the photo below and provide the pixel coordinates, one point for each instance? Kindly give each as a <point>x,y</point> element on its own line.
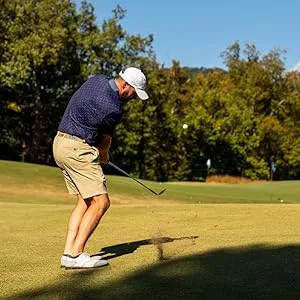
<point>96,208</point>
<point>74,223</point>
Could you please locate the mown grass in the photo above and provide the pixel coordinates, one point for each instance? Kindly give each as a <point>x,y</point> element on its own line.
<point>29,183</point>
<point>210,251</point>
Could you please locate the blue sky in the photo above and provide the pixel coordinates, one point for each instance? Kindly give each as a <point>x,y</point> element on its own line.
<point>195,32</point>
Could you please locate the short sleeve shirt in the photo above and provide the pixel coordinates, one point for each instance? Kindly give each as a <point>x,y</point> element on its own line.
<point>94,109</point>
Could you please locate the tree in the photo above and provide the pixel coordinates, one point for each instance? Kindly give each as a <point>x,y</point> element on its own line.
<point>48,49</point>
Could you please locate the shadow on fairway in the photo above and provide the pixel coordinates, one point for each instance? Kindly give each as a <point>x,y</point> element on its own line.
<point>127,248</point>
<point>250,272</point>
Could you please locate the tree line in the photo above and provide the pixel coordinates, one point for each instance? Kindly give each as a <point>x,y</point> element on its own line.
<point>245,119</point>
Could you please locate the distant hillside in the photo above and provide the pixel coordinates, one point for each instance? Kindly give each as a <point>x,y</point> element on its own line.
<point>194,71</point>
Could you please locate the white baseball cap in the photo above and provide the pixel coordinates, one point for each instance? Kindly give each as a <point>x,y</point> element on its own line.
<point>136,78</point>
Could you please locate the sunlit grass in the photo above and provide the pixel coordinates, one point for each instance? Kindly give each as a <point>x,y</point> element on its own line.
<point>29,183</point>
<point>210,251</point>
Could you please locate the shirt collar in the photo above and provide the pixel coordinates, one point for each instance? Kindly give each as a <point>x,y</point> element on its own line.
<point>113,85</point>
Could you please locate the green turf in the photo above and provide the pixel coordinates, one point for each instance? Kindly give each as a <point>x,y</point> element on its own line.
<point>210,251</point>
<point>43,182</point>
<point>264,192</point>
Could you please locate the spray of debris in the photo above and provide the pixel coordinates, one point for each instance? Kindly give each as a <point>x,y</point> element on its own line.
<point>158,241</point>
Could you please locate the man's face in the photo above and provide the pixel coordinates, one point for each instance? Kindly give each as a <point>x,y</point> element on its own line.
<point>127,93</point>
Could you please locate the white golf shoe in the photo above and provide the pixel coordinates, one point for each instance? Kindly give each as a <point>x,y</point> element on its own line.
<point>82,261</point>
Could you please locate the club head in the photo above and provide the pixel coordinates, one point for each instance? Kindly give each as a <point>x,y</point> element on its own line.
<point>161,192</point>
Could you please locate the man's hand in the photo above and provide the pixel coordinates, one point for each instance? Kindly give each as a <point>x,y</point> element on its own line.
<point>103,148</point>
<point>104,157</point>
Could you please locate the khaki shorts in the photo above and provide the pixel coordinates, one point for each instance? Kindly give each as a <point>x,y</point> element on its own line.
<point>80,165</point>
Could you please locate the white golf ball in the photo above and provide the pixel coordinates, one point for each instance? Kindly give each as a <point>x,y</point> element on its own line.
<point>185,126</point>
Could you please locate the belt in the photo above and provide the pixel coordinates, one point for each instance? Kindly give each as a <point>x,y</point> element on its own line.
<point>69,136</point>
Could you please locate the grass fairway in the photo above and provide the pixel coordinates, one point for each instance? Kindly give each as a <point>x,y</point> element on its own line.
<point>212,247</point>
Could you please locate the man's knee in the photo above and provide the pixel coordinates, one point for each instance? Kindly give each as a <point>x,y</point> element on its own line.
<point>102,202</point>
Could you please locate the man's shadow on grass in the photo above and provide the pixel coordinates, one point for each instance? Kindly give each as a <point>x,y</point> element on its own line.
<point>127,248</point>
<point>258,271</point>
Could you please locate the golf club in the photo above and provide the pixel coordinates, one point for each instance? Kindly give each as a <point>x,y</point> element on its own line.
<point>125,173</point>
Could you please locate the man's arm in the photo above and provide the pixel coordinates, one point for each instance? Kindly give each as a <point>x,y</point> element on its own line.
<point>107,127</point>
<point>103,147</point>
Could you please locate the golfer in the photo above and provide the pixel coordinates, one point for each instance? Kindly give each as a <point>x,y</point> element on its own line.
<point>80,147</point>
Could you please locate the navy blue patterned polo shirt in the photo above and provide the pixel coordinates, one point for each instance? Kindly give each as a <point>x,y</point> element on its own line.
<point>94,109</point>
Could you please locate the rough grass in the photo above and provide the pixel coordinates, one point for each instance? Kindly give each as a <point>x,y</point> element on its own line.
<point>157,249</point>
<point>230,179</point>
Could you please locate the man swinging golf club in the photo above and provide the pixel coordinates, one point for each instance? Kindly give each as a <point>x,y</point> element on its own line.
<point>82,143</point>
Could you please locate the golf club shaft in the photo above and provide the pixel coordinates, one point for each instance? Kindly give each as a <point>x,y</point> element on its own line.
<point>125,173</point>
